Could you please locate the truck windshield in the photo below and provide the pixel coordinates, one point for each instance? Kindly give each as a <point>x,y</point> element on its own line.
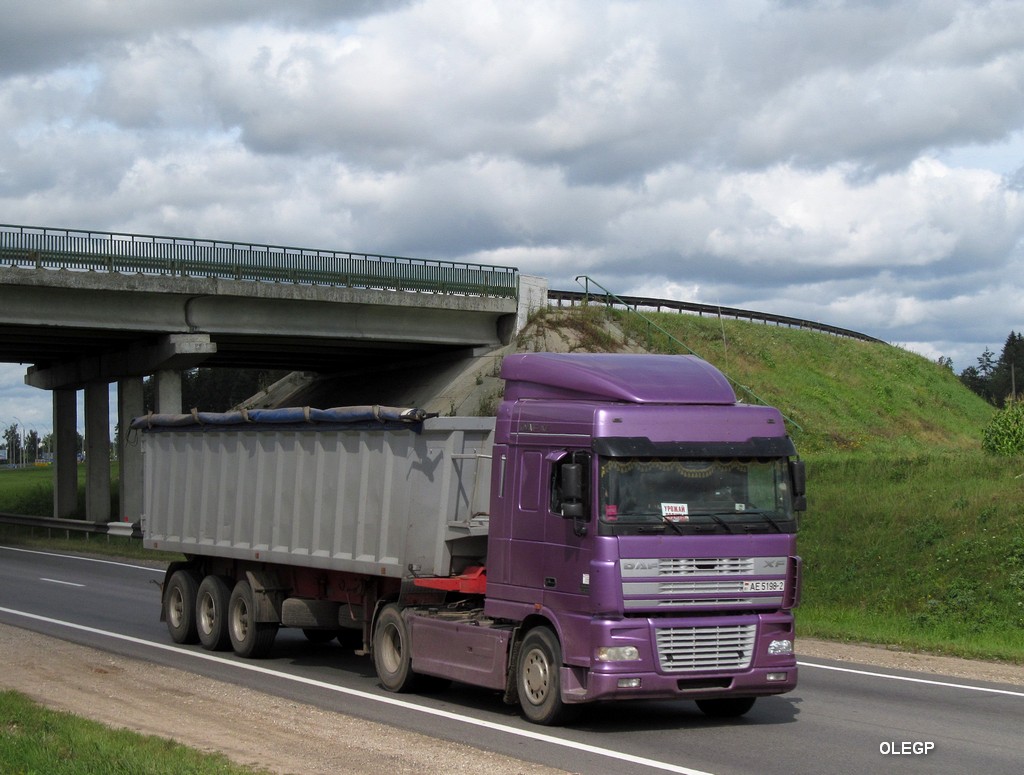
<point>696,496</point>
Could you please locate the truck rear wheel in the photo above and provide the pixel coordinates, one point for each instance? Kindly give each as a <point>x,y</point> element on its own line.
<point>180,606</point>
<point>538,677</point>
<point>212,613</point>
<point>726,707</point>
<point>249,638</point>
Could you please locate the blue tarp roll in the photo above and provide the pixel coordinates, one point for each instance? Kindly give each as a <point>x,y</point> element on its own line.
<point>297,415</point>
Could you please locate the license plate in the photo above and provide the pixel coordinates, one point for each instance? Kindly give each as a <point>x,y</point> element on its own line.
<point>764,586</point>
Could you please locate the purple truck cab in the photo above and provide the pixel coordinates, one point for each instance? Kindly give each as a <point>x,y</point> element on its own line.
<point>642,534</point>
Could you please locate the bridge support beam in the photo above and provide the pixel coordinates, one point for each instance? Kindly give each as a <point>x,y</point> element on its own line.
<point>130,404</point>
<point>97,452</point>
<point>168,391</point>
<point>65,467</point>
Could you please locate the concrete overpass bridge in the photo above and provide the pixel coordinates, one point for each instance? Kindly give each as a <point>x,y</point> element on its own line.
<point>86,309</point>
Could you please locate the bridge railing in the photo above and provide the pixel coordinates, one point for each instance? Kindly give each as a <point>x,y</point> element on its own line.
<point>48,248</point>
<point>558,298</point>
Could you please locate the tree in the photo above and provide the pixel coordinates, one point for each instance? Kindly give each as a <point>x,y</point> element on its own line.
<point>1008,373</point>
<point>986,363</point>
<point>31,446</point>
<point>979,378</point>
<point>998,380</point>
<point>12,440</point>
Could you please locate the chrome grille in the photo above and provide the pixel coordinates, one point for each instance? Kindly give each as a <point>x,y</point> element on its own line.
<point>690,649</point>
<point>705,566</point>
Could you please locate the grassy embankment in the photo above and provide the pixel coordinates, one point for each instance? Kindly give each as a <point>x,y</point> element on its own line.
<point>914,536</point>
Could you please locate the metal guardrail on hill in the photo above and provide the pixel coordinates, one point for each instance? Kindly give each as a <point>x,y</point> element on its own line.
<point>657,305</point>
<point>50,248</point>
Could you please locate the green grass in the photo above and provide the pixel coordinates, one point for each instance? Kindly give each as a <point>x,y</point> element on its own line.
<point>29,491</point>
<point>924,553</point>
<point>35,740</point>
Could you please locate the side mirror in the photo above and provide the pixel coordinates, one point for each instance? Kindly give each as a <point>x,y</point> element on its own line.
<point>571,493</point>
<point>572,482</point>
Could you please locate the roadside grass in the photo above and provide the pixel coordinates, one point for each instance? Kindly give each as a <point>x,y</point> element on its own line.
<point>34,739</point>
<point>60,540</point>
<point>922,553</point>
<point>29,491</point>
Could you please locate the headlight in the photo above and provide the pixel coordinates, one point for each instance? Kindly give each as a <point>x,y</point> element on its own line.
<point>618,654</point>
<point>780,648</point>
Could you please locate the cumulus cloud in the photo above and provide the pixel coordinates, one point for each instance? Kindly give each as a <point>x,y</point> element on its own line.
<point>855,163</point>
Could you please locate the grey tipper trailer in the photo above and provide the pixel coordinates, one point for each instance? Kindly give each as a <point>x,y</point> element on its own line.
<point>371,490</point>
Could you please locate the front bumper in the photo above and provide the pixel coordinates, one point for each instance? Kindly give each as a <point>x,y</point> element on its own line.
<point>714,670</point>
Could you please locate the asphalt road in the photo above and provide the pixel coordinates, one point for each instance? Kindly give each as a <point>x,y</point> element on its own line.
<point>841,719</point>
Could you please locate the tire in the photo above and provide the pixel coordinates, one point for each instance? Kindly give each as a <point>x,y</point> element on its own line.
<point>180,607</point>
<point>249,638</point>
<point>538,678</point>
<point>212,613</point>
<point>392,657</point>
<point>726,707</point>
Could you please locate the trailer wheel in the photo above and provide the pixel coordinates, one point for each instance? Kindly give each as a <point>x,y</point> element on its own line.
<point>391,653</point>
<point>180,606</point>
<point>249,638</point>
<point>538,678</point>
<point>726,707</point>
<point>212,613</point>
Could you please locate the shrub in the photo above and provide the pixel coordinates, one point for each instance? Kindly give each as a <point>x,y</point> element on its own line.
<point>1004,435</point>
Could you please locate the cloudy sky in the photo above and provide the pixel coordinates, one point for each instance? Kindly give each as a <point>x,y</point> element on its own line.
<point>855,163</point>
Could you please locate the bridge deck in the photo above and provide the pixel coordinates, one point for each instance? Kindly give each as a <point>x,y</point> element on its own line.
<point>42,247</point>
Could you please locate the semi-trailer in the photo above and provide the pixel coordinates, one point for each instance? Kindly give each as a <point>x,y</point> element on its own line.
<point>624,529</point>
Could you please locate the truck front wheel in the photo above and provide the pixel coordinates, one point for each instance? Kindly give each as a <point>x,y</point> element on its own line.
<point>212,613</point>
<point>391,654</point>
<point>538,674</point>
<point>249,638</point>
<point>180,606</point>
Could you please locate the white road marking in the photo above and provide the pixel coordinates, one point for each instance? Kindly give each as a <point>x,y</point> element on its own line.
<point>913,680</point>
<point>84,559</point>
<point>58,581</point>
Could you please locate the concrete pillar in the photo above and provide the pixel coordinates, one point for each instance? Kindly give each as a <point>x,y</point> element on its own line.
<point>168,392</point>
<point>533,296</point>
<point>129,453</point>
<point>97,452</point>
<point>65,451</point>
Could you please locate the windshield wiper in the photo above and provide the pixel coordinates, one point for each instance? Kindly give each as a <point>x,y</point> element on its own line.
<point>715,518</point>
<point>767,518</point>
<point>721,522</point>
